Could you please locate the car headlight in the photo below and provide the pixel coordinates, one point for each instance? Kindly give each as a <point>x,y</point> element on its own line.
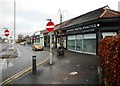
<point>36,46</point>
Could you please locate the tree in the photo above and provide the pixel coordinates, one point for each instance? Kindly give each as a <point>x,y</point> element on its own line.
<point>20,38</point>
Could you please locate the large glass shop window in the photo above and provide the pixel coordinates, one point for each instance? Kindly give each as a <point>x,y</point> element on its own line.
<point>71,42</point>
<point>79,42</point>
<point>89,43</point>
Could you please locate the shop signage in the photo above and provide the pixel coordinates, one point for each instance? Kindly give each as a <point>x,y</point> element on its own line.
<point>87,28</point>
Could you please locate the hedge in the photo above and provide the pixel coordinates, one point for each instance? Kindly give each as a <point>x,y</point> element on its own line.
<point>109,59</point>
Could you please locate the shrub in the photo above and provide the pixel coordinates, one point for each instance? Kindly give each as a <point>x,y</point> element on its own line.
<point>109,59</point>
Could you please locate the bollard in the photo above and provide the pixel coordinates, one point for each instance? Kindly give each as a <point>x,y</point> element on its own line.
<point>33,64</point>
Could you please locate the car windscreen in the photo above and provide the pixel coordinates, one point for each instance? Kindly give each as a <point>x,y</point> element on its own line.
<point>37,44</point>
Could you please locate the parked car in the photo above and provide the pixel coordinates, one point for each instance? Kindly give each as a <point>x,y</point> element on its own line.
<point>37,46</point>
<point>23,43</point>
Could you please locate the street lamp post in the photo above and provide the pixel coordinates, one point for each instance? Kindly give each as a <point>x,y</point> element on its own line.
<point>61,17</point>
<point>14,22</point>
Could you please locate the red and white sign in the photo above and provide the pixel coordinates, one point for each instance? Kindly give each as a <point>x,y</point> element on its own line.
<point>50,26</point>
<point>6,32</point>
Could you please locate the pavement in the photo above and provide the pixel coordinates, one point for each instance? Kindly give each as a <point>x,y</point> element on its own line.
<point>72,68</point>
<point>4,53</point>
<point>8,54</point>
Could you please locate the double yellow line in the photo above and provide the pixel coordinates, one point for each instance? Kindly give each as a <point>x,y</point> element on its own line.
<point>21,73</point>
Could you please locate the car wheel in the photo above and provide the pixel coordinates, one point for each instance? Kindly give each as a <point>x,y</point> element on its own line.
<point>34,49</point>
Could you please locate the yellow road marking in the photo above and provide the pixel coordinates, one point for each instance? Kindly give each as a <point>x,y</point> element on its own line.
<point>21,73</point>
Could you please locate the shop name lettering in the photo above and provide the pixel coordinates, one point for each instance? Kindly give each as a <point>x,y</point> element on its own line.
<point>84,28</point>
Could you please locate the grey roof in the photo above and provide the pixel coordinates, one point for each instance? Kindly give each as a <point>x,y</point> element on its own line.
<point>103,12</point>
<point>93,15</point>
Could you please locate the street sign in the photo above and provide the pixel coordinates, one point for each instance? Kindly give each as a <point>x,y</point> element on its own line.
<point>50,26</point>
<point>6,32</point>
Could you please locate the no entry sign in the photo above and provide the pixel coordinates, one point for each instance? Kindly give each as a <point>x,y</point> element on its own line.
<point>50,26</point>
<point>6,32</point>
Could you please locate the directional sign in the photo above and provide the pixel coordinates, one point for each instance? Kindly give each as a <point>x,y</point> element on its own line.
<point>6,32</point>
<point>50,26</point>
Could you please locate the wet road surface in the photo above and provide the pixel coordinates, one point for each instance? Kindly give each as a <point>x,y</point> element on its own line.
<point>14,65</point>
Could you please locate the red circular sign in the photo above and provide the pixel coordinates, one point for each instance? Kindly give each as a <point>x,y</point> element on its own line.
<point>50,26</point>
<point>6,32</point>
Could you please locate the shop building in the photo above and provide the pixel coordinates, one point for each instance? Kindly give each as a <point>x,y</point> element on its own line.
<point>41,38</point>
<point>37,37</point>
<point>83,33</point>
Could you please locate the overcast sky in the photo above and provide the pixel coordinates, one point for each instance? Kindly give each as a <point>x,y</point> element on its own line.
<point>31,15</point>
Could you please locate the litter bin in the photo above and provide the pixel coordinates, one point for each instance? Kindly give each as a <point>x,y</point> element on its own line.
<point>60,51</point>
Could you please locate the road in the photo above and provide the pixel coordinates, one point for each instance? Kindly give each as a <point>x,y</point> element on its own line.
<point>23,60</point>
